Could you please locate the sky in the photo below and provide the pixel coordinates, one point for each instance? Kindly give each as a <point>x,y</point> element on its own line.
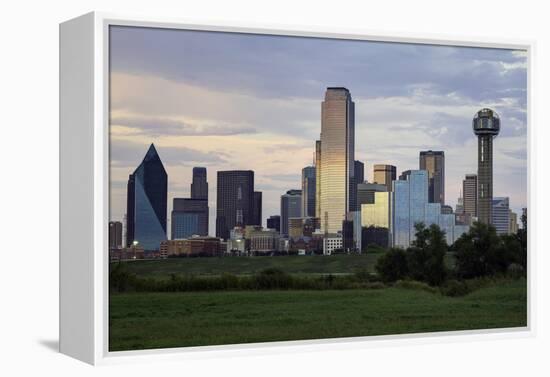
<point>233,101</point>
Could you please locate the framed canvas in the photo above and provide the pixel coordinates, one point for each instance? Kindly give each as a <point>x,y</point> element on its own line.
<point>227,188</point>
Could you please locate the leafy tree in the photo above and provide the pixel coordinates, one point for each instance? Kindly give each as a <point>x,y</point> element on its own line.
<point>482,252</point>
<point>392,266</point>
<point>426,256</point>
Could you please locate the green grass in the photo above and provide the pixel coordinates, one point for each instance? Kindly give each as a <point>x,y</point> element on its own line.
<point>318,264</point>
<point>163,320</point>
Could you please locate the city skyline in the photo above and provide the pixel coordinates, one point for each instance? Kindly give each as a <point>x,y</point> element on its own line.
<point>278,144</point>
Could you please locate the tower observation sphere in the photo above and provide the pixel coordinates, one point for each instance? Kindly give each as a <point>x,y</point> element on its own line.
<point>486,125</point>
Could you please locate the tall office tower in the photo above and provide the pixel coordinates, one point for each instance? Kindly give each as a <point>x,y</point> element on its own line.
<point>366,192</point>
<point>486,125</point>
<point>146,203</point>
<point>274,222</point>
<point>235,201</point>
<point>189,218</point>
<point>385,175</point>
<point>359,171</point>
<point>257,214</point>
<point>409,200</point>
<point>199,186</point>
<point>337,159</point>
<point>469,190</point>
<point>291,206</point>
<point>318,178</point>
<point>115,235</point>
<point>434,163</point>
<point>501,215</point>
<point>308,191</point>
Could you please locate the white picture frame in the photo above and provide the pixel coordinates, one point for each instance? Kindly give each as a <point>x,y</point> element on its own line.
<point>84,157</point>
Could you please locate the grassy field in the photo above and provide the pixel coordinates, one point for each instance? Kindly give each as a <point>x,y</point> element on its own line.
<point>162,320</point>
<point>318,264</point>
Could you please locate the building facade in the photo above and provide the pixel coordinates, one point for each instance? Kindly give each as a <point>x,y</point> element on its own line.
<point>291,207</point>
<point>257,213</point>
<point>146,205</point>
<point>366,192</point>
<point>384,175</point>
<point>410,206</point>
<point>501,215</point>
<point>189,218</point>
<point>434,163</point>
<point>337,159</point>
<point>235,201</point>
<point>115,235</point>
<point>308,191</point>
<point>274,222</point>
<point>199,185</point>
<point>469,190</point>
<point>359,172</point>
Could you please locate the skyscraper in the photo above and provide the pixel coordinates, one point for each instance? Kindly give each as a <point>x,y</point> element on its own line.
<point>257,218</point>
<point>337,195</point>
<point>501,215</point>
<point>410,206</point>
<point>469,189</point>
<point>189,217</point>
<point>115,235</point>
<point>308,191</point>
<point>234,201</point>
<point>146,203</point>
<point>274,222</point>
<point>359,172</point>
<point>385,175</point>
<point>291,207</point>
<point>366,192</point>
<point>318,178</point>
<point>486,125</point>
<point>434,163</point>
<point>199,186</point>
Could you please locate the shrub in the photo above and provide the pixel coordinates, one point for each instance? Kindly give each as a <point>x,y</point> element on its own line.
<point>392,266</point>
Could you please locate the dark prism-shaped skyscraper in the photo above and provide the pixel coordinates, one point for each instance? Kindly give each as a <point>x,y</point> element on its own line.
<point>235,201</point>
<point>146,202</point>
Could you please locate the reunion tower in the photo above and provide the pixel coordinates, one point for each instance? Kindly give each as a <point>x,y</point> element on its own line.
<point>486,125</point>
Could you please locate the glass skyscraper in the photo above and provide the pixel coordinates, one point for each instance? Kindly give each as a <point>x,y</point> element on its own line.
<point>308,191</point>
<point>291,207</point>
<point>146,203</point>
<point>337,168</point>
<point>189,217</point>
<point>410,206</point>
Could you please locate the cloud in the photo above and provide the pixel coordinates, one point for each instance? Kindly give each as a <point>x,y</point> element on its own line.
<point>241,101</point>
<point>157,126</point>
<point>129,154</point>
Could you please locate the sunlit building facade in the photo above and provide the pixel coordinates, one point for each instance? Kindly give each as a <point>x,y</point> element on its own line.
<point>434,163</point>
<point>378,213</point>
<point>384,175</point>
<point>337,168</point>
